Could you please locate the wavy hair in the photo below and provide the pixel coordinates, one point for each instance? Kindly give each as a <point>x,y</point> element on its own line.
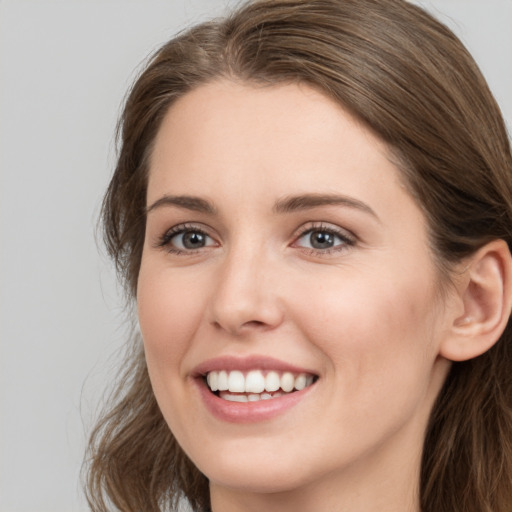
<point>411,81</point>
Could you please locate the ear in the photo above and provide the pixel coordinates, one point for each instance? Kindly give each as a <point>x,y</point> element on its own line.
<point>485,294</point>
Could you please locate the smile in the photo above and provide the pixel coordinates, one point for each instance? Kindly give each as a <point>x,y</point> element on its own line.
<point>253,388</point>
<point>256,385</point>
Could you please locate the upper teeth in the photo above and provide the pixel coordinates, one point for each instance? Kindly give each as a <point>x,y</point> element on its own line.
<point>256,381</point>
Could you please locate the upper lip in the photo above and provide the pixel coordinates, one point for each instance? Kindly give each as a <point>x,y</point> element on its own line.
<point>247,363</point>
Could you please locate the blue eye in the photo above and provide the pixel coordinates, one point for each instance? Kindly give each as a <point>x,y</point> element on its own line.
<point>184,239</point>
<point>190,240</point>
<point>323,239</point>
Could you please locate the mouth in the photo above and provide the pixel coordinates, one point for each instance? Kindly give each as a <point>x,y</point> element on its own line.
<point>254,388</point>
<point>256,384</point>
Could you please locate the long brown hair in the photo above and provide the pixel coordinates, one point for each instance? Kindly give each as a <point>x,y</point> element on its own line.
<point>411,81</point>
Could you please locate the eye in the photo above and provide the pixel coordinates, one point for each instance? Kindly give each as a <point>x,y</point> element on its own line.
<point>180,239</point>
<point>321,239</point>
<point>324,239</point>
<point>190,240</point>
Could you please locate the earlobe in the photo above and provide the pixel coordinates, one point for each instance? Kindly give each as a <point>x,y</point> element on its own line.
<point>486,295</point>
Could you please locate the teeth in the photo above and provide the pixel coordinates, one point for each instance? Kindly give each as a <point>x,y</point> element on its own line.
<point>272,381</point>
<point>287,381</point>
<point>236,382</point>
<point>226,395</point>
<point>256,384</point>
<point>300,382</point>
<point>234,398</point>
<point>213,381</point>
<point>222,382</point>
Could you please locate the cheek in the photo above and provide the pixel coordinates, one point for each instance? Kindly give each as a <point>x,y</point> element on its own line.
<point>377,330</point>
<point>169,311</point>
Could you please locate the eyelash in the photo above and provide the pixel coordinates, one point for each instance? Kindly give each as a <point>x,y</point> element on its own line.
<point>347,239</point>
<point>165,241</point>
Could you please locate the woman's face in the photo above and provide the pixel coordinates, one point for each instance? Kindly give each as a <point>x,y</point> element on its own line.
<point>282,250</point>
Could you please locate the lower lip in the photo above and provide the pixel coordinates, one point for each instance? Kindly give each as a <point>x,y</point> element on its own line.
<point>249,412</point>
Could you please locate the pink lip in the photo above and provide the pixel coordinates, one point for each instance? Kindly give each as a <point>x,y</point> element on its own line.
<point>247,412</point>
<point>255,362</point>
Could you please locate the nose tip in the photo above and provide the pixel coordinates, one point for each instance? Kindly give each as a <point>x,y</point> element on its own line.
<point>245,299</point>
<point>245,310</point>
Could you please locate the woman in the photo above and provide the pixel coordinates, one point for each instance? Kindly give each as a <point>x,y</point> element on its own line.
<point>312,208</point>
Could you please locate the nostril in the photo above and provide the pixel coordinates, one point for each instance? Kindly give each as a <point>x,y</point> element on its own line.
<point>253,323</point>
<point>239,317</point>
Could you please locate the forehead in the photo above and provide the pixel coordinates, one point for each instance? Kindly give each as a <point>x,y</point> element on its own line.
<point>249,141</point>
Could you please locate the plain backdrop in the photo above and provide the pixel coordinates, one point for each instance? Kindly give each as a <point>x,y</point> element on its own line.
<point>64,68</point>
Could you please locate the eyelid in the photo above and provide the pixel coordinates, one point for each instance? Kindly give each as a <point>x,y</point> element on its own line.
<point>164,240</point>
<point>324,226</point>
<point>345,235</point>
<point>348,238</point>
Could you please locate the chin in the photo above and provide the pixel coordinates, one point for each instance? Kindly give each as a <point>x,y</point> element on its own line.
<point>258,481</point>
<point>257,470</point>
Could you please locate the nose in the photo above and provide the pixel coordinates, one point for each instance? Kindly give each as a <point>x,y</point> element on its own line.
<point>246,296</point>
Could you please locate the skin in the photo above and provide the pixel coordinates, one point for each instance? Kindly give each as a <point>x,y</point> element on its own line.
<point>366,316</point>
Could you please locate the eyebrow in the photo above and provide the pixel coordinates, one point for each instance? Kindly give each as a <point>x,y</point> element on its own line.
<point>195,204</point>
<point>287,204</point>
<point>309,201</point>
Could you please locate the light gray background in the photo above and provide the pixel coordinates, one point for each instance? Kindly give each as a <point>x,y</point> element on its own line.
<point>64,68</point>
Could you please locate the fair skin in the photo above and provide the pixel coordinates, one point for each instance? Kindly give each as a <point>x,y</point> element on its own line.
<point>339,283</point>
